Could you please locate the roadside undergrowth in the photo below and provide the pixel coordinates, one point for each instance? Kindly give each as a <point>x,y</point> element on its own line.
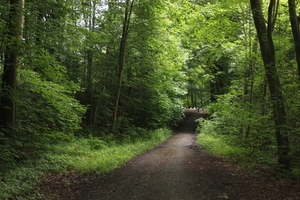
<point>233,149</point>
<point>80,155</point>
<point>249,159</point>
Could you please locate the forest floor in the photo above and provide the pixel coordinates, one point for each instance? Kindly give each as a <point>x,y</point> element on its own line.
<point>179,169</point>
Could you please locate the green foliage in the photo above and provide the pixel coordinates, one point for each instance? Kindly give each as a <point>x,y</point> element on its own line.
<point>153,83</point>
<point>94,154</point>
<point>7,154</point>
<point>178,53</point>
<point>46,112</point>
<point>232,147</point>
<point>42,62</point>
<point>243,111</point>
<point>242,123</point>
<point>220,144</point>
<point>46,108</point>
<point>21,182</point>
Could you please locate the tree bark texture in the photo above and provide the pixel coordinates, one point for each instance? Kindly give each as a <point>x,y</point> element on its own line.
<point>264,34</point>
<point>296,31</point>
<point>14,29</point>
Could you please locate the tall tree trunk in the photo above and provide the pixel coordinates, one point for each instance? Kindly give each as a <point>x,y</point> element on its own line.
<point>89,91</point>
<point>294,19</point>
<point>89,88</point>
<point>12,51</point>
<point>268,55</point>
<point>128,12</point>
<point>192,98</point>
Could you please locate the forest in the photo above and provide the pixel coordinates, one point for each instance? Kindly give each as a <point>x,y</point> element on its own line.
<point>86,75</point>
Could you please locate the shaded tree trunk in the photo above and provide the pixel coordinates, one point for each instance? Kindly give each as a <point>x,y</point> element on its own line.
<point>89,88</point>
<point>268,55</point>
<point>9,79</point>
<point>89,92</point>
<point>294,19</point>
<point>128,12</point>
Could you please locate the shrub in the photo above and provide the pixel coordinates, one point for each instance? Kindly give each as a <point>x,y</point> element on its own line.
<point>46,112</point>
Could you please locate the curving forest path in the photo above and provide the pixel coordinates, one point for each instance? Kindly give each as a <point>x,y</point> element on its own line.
<point>179,170</point>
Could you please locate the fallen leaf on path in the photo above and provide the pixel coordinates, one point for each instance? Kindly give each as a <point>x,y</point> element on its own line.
<point>223,196</point>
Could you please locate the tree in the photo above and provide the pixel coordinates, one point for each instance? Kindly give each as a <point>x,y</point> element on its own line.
<point>12,52</point>
<point>89,19</point>
<point>294,19</point>
<point>264,34</point>
<point>125,31</point>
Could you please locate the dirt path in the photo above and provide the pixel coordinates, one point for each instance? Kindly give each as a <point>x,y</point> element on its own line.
<point>180,170</point>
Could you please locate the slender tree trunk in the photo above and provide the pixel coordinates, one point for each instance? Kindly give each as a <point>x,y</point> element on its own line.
<point>265,94</point>
<point>128,12</point>
<point>294,19</point>
<point>128,102</point>
<point>212,90</point>
<point>195,98</point>
<point>268,55</point>
<point>89,88</point>
<point>89,92</point>
<point>12,52</point>
<point>192,98</point>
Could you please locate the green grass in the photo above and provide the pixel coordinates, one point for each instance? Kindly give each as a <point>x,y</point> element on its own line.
<point>218,142</point>
<point>248,153</point>
<point>85,155</point>
<point>81,155</point>
<point>220,145</point>
<point>228,146</point>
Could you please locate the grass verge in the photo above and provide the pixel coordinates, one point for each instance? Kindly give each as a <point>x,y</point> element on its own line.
<point>82,155</point>
<point>249,154</point>
<point>227,146</point>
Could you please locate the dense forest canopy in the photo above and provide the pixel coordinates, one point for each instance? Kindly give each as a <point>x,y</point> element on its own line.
<point>96,67</point>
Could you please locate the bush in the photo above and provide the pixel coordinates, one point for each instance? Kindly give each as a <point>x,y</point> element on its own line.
<point>46,109</point>
<point>46,112</point>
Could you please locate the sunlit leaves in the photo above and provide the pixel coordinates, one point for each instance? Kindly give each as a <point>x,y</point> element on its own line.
<point>42,110</point>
